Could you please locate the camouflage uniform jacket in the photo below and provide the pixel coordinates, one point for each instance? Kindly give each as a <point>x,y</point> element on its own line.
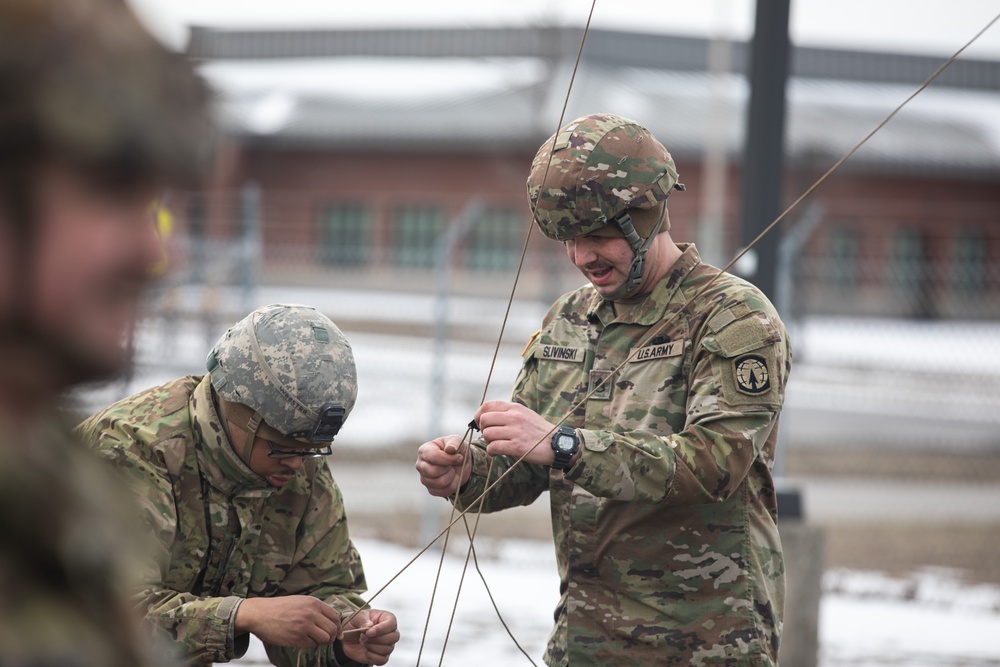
<point>665,527</point>
<point>66,555</point>
<point>225,533</point>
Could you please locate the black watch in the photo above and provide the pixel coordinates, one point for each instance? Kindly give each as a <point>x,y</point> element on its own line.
<point>565,443</point>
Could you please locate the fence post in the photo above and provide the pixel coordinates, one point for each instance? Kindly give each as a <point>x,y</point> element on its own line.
<point>430,519</point>
<point>250,254</point>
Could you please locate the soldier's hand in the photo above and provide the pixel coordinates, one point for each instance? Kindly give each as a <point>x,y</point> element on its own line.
<point>376,639</point>
<point>300,621</point>
<point>440,465</point>
<point>512,429</point>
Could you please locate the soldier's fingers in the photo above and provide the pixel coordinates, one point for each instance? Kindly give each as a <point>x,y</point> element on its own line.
<point>384,624</point>
<point>432,470</point>
<point>454,445</point>
<point>380,648</point>
<point>499,433</point>
<point>330,613</point>
<point>437,451</point>
<point>490,407</point>
<point>439,486</point>
<point>320,636</point>
<point>500,448</point>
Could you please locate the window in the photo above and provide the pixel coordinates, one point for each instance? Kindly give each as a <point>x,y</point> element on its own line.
<point>415,234</point>
<point>969,263</point>
<point>842,257</point>
<point>345,235</point>
<point>495,241</point>
<point>906,261</point>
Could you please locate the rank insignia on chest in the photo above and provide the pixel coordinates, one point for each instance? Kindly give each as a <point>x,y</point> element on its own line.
<point>600,385</point>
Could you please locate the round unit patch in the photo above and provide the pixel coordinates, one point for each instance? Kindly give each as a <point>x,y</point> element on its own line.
<point>751,374</point>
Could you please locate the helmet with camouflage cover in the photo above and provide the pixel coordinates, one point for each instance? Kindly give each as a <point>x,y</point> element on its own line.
<point>292,366</point>
<point>604,175</point>
<point>594,169</point>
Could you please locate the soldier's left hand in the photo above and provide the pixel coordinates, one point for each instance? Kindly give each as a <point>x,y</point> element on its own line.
<point>373,644</point>
<point>512,429</point>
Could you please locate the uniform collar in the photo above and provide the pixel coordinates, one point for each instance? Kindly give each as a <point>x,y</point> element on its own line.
<point>218,460</point>
<point>653,307</point>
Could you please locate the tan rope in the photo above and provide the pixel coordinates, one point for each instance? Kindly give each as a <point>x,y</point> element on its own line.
<point>489,376</point>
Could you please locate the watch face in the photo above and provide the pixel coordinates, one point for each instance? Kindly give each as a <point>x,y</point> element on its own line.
<point>565,443</point>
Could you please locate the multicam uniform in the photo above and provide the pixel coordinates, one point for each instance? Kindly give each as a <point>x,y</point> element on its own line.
<point>665,530</point>
<point>65,556</point>
<point>225,533</point>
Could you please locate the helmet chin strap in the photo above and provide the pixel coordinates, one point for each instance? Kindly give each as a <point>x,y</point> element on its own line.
<point>639,248</point>
<point>247,418</point>
<point>253,423</point>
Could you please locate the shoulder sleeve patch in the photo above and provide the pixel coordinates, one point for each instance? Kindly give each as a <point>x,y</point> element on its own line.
<point>531,344</point>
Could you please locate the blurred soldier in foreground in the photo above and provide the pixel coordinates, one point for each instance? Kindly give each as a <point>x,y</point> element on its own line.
<point>96,118</point>
<point>648,409</point>
<point>230,471</point>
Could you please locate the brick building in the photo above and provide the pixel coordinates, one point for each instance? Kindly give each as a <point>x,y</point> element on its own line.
<point>365,146</point>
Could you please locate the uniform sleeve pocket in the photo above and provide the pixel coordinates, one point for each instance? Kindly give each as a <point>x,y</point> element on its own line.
<point>745,363</point>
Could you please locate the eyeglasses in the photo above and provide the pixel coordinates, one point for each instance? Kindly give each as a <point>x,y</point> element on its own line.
<point>276,453</point>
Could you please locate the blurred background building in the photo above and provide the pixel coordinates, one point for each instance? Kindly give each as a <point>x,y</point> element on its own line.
<point>364,146</point>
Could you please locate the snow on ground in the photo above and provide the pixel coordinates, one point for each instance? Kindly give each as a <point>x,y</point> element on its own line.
<point>520,574</point>
<point>866,618</point>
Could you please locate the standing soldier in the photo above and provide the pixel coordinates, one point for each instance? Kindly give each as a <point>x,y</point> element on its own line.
<point>230,470</point>
<point>647,406</point>
<point>96,119</point>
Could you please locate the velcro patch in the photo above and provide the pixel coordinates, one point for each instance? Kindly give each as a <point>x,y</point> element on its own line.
<point>600,385</point>
<point>650,352</point>
<point>558,353</point>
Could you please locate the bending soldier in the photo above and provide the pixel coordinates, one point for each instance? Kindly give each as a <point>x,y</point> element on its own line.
<point>251,525</point>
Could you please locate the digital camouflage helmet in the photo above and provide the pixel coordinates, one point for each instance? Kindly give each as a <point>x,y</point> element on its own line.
<point>292,367</point>
<point>589,175</point>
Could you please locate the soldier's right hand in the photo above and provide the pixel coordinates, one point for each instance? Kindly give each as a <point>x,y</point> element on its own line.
<point>299,621</point>
<point>440,465</point>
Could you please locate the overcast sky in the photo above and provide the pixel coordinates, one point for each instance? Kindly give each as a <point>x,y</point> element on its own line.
<point>914,26</point>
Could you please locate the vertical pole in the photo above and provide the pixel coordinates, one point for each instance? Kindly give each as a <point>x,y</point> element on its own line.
<point>250,245</point>
<point>762,183</point>
<point>430,520</point>
<point>711,222</point>
<point>763,164</point>
<point>196,238</point>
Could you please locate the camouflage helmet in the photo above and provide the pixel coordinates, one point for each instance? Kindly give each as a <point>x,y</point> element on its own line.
<point>598,166</point>
<point>292,365</point>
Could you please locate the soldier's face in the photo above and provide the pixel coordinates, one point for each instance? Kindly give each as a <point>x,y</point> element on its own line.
<point>93,253</point>
<point>277,472</point>
<point>605,261</point>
